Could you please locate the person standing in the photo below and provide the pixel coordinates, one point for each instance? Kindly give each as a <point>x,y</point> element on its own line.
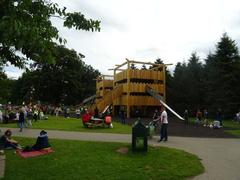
<point>219,116</point>
<point>155,120</point>
<point>1,116</point>
<point>205,115</point>
<point>186,117</point>
<point>198,117</point>
<point>122,115</point>
<point>96,113</point>
<point>21,119</point>
<point>68,112</point>
<point>77,112</point>
<point>35,114</point>
<point>164,125</point>
<point>30,116</point>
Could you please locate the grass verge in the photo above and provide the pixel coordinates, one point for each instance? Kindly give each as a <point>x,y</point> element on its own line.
<point>233,132</point>
<point>73,124</point>
<point>229,126</point>
<point>94,160</point>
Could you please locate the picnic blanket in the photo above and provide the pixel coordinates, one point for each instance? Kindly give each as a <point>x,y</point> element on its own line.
<point>28,154</point>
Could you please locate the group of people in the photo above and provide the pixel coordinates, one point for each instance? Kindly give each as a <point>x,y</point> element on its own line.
<point>66,111</point>
<point>7,142</point>
<point>202,118</point>
<point>23,115</point>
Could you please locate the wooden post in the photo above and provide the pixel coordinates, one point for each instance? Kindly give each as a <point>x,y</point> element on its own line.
<point>113,105</point>
<point>164,83</point>
<point>128,87</point>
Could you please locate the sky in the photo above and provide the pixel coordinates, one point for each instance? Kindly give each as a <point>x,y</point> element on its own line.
<point>145,30</point>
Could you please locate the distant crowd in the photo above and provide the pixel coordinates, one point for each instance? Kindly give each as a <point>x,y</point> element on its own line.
<point>25,114</point>
<point>202,118</point>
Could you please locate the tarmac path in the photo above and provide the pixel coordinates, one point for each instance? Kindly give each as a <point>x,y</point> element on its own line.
<point>220,156</point>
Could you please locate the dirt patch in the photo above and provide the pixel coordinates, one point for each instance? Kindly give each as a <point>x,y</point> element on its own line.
<point>123,150</point>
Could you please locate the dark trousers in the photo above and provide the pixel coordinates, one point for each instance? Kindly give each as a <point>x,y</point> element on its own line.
<point>186,121</point>
<point>9,145</point>
<point>163,132</point>
<point>123,120</point>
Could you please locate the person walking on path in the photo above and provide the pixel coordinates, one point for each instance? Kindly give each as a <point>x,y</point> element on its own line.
<point>164,125</point>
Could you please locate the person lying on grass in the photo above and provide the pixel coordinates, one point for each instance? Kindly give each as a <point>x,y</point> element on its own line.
<point>7,142</point>
<point>42,142</point>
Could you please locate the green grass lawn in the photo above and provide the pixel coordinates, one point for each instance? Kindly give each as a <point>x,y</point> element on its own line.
<point>73,124</point>
<point>229,124</point>
<point>234,132</point>
<point>232,127</point>
<point>95,160</point>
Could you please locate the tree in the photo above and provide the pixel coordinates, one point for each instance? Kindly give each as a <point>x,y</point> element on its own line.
<point>144,67</point>
<point>177,95</point>
<point>222,70</point>
<point>133,66</point>
<point>157,62</point>
<point>26,31</point>
<point>6,87</point>
<point>194,82</point>
<point>67,81</point>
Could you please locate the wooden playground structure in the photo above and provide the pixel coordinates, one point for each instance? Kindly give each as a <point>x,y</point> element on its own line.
<point>129,88</point>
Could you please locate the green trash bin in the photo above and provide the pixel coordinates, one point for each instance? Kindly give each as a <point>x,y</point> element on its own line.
<point>139,137</point>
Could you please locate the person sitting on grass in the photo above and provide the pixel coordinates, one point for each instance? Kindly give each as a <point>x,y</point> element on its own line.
<point>41,143</point>
<point>7,142</point>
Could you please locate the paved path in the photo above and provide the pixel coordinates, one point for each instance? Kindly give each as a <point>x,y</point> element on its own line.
<point>2,165</point>
<point>220,157</point>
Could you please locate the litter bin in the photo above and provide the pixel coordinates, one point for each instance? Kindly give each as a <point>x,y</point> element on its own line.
<point>139,137</point>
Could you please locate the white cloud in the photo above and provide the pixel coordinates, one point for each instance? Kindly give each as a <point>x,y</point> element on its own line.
<point>148,29</point>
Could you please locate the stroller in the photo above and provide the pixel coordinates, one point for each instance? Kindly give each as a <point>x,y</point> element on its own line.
<point>152,125</point>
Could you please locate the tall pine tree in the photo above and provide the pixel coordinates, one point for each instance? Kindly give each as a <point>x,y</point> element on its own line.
<point>222,77</point>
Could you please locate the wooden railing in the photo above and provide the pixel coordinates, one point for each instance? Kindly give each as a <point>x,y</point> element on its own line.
<point>140,87</point>
<point>139,74</point>
<point>137,101</point>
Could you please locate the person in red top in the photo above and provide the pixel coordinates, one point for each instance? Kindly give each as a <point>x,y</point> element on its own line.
<point>198,117</point>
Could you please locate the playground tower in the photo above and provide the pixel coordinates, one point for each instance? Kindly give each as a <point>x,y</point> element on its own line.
<point>128,88</point>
